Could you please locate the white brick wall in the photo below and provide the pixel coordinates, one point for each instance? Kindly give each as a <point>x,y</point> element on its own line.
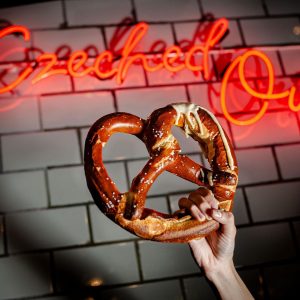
<point>53,238</point>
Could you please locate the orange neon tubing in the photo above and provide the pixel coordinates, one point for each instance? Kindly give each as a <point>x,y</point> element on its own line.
<point>74,66</point>
<point>47,70</point>
<point>26,34</point>
<point>16,29</point>
<point>169,61</point>
<point>291,101</point>
<point>271,76</point>
<point>224,85</point>
<point>103,75</point>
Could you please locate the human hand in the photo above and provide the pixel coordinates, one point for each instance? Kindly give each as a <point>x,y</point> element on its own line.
<point>213,253</point>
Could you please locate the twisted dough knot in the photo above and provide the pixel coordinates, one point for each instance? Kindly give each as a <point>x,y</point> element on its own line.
<point>127,210</point>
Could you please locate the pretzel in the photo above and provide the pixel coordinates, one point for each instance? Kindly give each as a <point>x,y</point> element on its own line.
<point>127,209</point>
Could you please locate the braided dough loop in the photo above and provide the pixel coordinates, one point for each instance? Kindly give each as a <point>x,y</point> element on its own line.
<point>127,210</point>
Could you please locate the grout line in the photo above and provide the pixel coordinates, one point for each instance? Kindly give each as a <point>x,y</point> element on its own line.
<point>281,64</point>
<point>139,261</point>
<point>115,102</point>
<point>128,183</point>
<point>277,164</point>
<point>81,151</point>
<point>239,25</point>
<point>134,14</point>
<point>294,237</point>
<point>201,9</point>
<point>247,206</point>
<point>265,8</point>
<point>47,184</point>
<point>64,13</point>
<point>39,107</point>
<point>89,220</point>
<point>182,287</point>
<point>52,272</point>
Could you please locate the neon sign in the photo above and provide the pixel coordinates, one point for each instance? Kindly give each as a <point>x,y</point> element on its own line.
<point>173,59</point>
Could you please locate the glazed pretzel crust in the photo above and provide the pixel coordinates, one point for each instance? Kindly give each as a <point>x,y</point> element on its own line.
<point>127,209</point>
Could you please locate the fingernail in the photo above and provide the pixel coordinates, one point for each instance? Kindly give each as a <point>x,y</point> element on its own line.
<point>201,218</point>
<point>208,218</point>
<point>218,213</point>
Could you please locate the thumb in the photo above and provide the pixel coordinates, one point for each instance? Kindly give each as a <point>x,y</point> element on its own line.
<point>226,218</point>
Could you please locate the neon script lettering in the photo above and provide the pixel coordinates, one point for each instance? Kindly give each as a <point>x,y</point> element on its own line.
<point>239,63</point>
<point>103,64</point>
<point>173,59</point>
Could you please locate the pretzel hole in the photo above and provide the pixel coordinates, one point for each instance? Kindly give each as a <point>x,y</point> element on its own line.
<point>122,146</point>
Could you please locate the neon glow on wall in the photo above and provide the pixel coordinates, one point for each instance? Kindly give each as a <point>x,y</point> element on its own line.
<point>173,59</point>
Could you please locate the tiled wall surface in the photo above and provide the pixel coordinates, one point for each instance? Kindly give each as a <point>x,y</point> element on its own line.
<point>54,243</point>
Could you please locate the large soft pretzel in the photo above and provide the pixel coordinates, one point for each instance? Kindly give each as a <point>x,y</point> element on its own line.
<point>127,210</point>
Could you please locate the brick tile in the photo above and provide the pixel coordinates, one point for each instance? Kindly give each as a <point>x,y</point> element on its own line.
<point>167,10</point>
<point>118,174</point>
<point>290,60</point>
<point>256,165</point>
<point>187,144</point>
<point>26,190</point>
<point>78,267</point>
<point>1,236</point>
<point>65,42</point>
<point>56,228</point>
<point>187,34</point>
<point>289,166</point>
<point>39,15</point>
<point>266,202</point>
<point>13,48</point>
<point>105,230</point>
<point>160,290</point>
<point>133,101</point>
<point>253,281</point>
<point>157,203</point>
<point>75,109</point>
<point>156,39</point>
<point>52,84</point>
<point>41,149</point>
<point>254,66</point>
<point>134,78</point>
<point>68,186</point>
<point>261,32</point>
<point>97,12</point>
<point>277,7</point>
<point>196,286</point>
<point>284,129</point>
<point>25,276</point>
<point>252,246</point>
<point>166,182</point>
<point>233,8</point>
<point>163,255</point>
<point>164,76</point>
<point>282,281</point>
<point>19,114</point>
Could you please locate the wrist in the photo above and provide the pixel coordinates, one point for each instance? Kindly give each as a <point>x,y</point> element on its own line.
<point>221,272</point>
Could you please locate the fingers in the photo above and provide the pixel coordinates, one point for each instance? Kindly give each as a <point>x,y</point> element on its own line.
<point>200,203</point>
<point>192,208</point>
<point>226,218</point>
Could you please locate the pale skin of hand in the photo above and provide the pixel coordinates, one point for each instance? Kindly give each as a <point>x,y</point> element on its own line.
<point>214,254</point>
